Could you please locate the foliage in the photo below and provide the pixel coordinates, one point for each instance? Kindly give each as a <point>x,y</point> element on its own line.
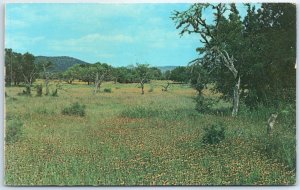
<point>39,90</point>
<point>108,90</point>
<point>204,104</point>
<point>281,148</point>
<point>54,93</point>
<point>213,134</point>
<point>20,68</point>
<point>60,63</point>
<point>265,65</point>
<point>14,130</point>
<point>74,109</point>
<point>25,92</point>
<point>179,74</point>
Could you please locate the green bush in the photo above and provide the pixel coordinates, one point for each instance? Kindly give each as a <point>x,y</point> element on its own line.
<point>75,109</point>
<point>39,90</point>
<point>107,90</point>
<point>151,89</point>
<point>282,148</point>
<point>14,130</point>
<point>26,92</point>
<point>213,134</point>
<point>54,93</point>
<point>204,104</point>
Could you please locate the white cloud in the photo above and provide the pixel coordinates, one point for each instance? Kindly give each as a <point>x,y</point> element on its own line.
<point>22,43</point>
<point>104,38</point>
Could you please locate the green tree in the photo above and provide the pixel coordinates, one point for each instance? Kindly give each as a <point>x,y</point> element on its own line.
<point>72,73</point>
<point>125,75</point>
<point>29,70</point>
<point>255,57</point>
<point>179,74</point>
<point>143,73</point>
<point>13,62</point>
<point>100,72</point>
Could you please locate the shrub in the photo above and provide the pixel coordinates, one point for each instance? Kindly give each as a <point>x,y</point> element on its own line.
<point>281,148</point>
<point>204,104</point>
<point>151,89</point>
<point>75,109</point>
<point>26,92</point>
<point>107,90</point>
<point>14,130</point>
<point>213,134</point>
<point>54,93</point>
<point>39,90</point>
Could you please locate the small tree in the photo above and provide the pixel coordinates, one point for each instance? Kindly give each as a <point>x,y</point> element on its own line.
<point>143,74</point>
<point>46,74</point>
<point>101,72</point>
<point>29,70</point>
<point>72,73</point>
<point>165,87</point>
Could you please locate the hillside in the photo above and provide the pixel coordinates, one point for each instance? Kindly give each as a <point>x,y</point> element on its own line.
<point>62,63</point>
<point>166,68</point>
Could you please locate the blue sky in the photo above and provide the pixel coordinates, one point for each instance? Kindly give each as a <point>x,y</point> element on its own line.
<point>118,34</point>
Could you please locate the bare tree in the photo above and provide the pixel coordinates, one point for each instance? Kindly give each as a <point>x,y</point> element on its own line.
<point>229,63</point>
<point>99,80</point>
<point>46,65</point>
<point>192,21</point>
<point>101,73</point>
<point>165,87</point>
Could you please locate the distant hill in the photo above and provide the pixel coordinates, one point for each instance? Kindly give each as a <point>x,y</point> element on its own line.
<point>166,68</point>
<point>61,63</point>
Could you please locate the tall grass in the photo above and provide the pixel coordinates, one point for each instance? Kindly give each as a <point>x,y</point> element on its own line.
<point>156,139</point>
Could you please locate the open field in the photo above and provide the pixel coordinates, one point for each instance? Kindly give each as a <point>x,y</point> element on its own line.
<point>126,138</point>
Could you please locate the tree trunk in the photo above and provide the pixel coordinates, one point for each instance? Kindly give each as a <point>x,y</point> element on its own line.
<point>47,86</point>
<point>97,83</point>
<point>236,97</point>
<point>142,84</point>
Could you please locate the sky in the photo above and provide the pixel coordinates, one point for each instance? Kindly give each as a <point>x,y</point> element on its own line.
<point>117,34</point>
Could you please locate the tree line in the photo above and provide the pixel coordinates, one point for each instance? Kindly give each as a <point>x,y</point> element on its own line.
<point>23,69</point>
<point>250,59</point>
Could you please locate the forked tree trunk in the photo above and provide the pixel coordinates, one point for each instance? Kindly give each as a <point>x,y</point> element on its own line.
<point>166,87</point>
<point>236,97</point>
<point>98,82</point>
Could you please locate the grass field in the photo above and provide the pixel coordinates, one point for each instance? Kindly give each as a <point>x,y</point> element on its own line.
<point>126,138</point>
